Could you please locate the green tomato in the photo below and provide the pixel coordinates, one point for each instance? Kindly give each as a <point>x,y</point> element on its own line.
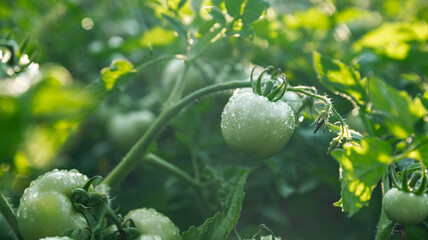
<point>125,129</point>
<point>293,100</point>
<point>45,208</point>
<point>404,207</point>
<point>197,76</point>
<point>254,125</point>
<point>153,225</point>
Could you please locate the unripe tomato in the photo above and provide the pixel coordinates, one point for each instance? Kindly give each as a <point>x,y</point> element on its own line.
<point>405,207</point>
<point>153,225</point>
<point>197,76</point>
<point>125,129</point>
<point>293,100</point>
<point>45,208</point>
<point>254,125</point>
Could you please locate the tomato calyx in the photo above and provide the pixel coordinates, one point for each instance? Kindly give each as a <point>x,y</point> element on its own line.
<point>274,88</point>
<point>410,187</point>
<point>95,207</point>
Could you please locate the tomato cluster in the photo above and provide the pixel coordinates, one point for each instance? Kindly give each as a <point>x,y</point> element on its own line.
<point>47,211</point>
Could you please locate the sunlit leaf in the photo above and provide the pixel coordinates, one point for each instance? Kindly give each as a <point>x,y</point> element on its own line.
<point>338,77</point>
<point>361,167</point>
<point>399,110</point>
<point>117,69</point>
<point>230,183</point>
<point>253,10</point>
<point>392,39</point>
<point>157,36</point>
<point>420,152</point>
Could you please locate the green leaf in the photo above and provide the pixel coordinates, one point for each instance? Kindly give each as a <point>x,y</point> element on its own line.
<point>424,99</point>
<point>233,7</point>
<point>117,69</point>
<point>177,25</point>
<point>361,167</point>
<point>338,77</point>
<point>230,183</point>
<point>247,32</point>
<point>399,110</point>
<point>9,215</point>
<point>253,10</point>
<point>282,186</point>
<point>217,15</point>
<point>392,39</point>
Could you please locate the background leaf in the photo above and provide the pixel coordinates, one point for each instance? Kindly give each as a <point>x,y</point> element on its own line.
<point>338,77</point>
<point>217,15</point>
<point>230,183</point>
<point>233,7</point>
<point>400,112</point>
<point>253,10</point>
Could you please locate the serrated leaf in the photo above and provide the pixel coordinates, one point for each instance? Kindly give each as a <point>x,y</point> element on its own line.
<point>338,77</point>
<point>233,7</point>
<point>177,25</point>
<point>117,69</point>
<point>253,10</point>
<point>361,167</point>
<point>399,110</point>
<point>230,183</point>
<point>217,15</point>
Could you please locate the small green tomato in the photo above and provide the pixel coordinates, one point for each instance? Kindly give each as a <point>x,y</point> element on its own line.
<point>405,207</point>
<point>45,208</point>
<point>153,225</point>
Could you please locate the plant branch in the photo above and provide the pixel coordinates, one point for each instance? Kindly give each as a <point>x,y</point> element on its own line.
<point>132,157</point>
<point>174,170</point>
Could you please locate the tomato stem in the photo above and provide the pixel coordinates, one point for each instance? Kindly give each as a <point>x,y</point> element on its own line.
<point>171,168</point>
<point>385,226</point>
<point>329,107</point>
<point>131,159</point>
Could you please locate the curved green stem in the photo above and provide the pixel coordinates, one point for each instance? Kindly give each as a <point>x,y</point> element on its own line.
<point>174,170</point>
<point>155,60</point>
<point>180,174</point>
<point>132,158</point>
<point>385,232</point>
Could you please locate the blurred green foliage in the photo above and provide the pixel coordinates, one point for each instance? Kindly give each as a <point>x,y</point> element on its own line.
<point>54,113</point>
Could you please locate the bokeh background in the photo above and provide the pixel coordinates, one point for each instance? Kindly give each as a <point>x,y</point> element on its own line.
<point>51,123</point>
